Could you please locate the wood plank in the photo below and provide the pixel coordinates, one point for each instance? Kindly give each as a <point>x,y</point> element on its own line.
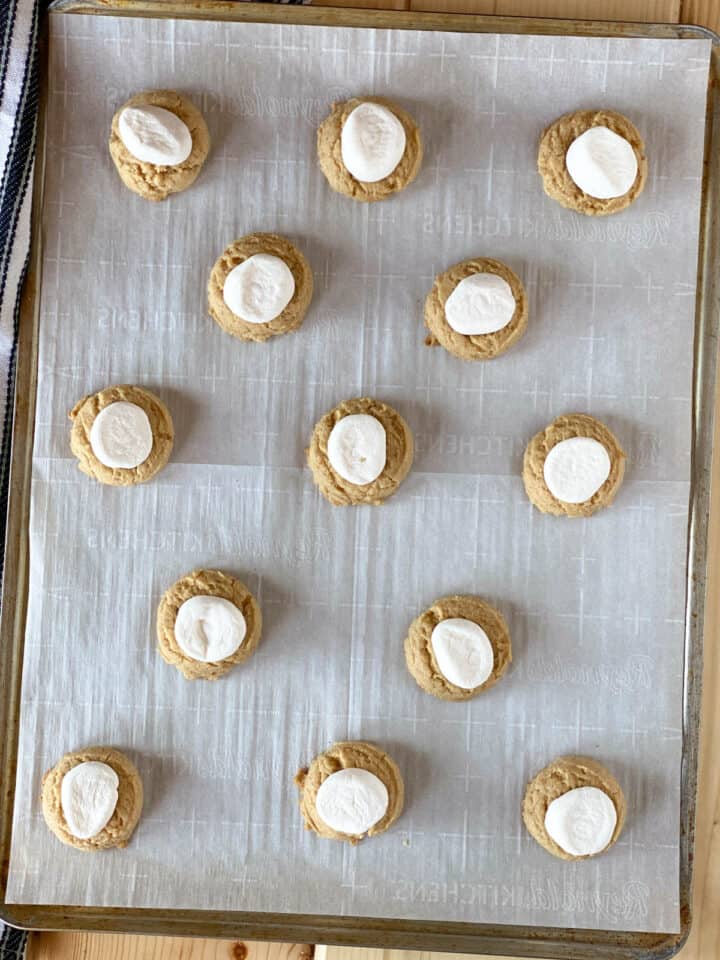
<point>703,12</point>
<point>107,946</point>
<point>365,4</point>
<point>644,11</point>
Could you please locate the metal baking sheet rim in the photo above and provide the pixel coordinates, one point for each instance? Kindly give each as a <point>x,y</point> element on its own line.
<point>525,941</point>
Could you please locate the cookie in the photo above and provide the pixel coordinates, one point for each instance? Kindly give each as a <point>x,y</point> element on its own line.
<point>363,460</point>
<point>207,623</point>
<point>573,467</point>
<point>333,165</point>
<point>289,287</point>
<point>585,821</point>
<point>68,808</point>
<point>350,791</point>
<point>476,309</point>
<point>458,647</point>
<point>553,162</point>
<point>121,435</point>
<point>154,180</point>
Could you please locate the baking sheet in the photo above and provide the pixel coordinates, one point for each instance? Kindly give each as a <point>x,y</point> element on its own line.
<point>595,607</point>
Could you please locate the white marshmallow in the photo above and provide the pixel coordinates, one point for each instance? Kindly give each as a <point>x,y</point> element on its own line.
<point>372,142</point>
<point>481,303</point>
<point>155,135</point>
<point>356,448</point>
<point>463,652</point>
<point>352,800</point>
<point>258,289</point>
<point>209,629</point>
<point>576,468</point>
<point>581,821</point>
<point>602,163</point>
<point>88,797</point>
<point>121,435</point>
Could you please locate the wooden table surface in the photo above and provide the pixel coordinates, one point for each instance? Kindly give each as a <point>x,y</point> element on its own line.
<point>704,942</point>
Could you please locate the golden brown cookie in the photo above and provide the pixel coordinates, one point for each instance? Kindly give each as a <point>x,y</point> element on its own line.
<point>399,454</point>
<point>83,414</point>
<point>119,828</point>
<point>477,346</point>
<point>239,251</point>
<point>565,427</point>
<point>212,583</point>
<point>563,774</point>
<point>353,754</point>
<point>337,174</point>
<point>420,657</point>
<point>149,180</point>
<point>558,183</point>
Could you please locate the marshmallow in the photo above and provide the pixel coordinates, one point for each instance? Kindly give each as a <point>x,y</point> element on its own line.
<point>481,303</point>
<point>88,797</point>
<point>602,163</point>
<point>372,142</point>
<point>352,800</point>
<point>155,135</point>
<point>463,652</point>
<point>209,629</point>
<point>121,435</point>
<point>356,448</point>
<point>576,468</point>
<point>259,288</point>
<point>581,821</point>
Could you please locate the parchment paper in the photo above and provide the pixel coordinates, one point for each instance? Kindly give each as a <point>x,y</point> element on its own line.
<point>595,607</point>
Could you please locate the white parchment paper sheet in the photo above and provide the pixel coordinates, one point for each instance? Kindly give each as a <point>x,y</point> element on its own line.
<point>595,607</point>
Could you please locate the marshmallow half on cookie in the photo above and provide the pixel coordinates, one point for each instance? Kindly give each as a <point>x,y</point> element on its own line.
<point>207,623</point>
<point>574,808</point>
<point>573,467</point>
<point>593,161</point>
<point>476,309</point>
<point>350,791</point>
<point>158,142</point>
<point>369,148</point>
<point>260,287</point>
<point>92,798</point>
<point>360,452</point>
<point>121,435</point>
<point>458,647</point>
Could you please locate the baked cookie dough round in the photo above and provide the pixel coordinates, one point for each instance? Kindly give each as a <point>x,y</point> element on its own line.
<point>369,148</point>
<point>476,309</point>
<point>207,623</point>
<point>158,142</point>
<point>593,161</point>
<point>121,435</point>
<point>350,791</point>
<point>573,467</point>
<point>574,808</point>
<point>458,647</point>
<point>260,287</point>
<point>360,452</point>
<point>92,798</point>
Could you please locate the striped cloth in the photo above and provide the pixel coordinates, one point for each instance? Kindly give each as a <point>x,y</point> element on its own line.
<point>19,67</point>
<point>20,21</point>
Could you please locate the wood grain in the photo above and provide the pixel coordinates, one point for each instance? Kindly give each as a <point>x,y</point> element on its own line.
<point>704,942</point>
<point>365,4</point>
<point>107,946</point>
<point>703,12</point>
<point>646,11</point>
